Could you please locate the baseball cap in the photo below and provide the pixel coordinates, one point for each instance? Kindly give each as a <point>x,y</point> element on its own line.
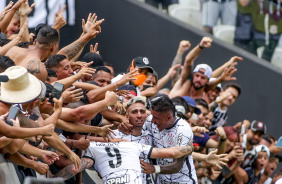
<point>207,68</point>
<point>263,148</point>
<point>258,126</point>
<point>142,62</point>
<point>127,87</point>
<point>180,111</point>
<point>191,102</point>
<point>218,85</point>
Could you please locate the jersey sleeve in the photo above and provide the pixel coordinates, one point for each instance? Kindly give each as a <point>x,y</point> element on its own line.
<point>88,154</point>
<point>145,150</point>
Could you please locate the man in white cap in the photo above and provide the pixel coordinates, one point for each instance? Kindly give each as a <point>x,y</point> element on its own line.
<point>195,84</point>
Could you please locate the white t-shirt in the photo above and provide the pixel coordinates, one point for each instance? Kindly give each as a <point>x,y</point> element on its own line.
<point>144,138</point>
<point>118,162</point>
<point>180,134</point>
<point>249,156</point>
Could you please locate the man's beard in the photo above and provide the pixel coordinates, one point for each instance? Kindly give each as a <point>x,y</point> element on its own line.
<point>251,142</point>
<point>197,87</point>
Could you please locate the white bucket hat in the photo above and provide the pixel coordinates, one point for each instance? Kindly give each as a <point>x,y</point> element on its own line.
<point>22,86</point>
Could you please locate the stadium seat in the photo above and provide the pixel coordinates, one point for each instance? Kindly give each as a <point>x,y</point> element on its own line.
<point>224,32</point>
<point>187,14</point>
<point>276,59</point>
<point>191,3</point>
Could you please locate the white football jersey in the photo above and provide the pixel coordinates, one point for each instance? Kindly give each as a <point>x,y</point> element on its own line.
<point>144,138</point>
<point>118,162</point>
<point>180,134</point>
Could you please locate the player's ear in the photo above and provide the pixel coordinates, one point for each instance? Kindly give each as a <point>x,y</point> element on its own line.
<point>169,117</point>
<point>53,48</point>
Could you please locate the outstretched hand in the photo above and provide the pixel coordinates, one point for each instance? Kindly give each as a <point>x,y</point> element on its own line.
<point>217,160</point>
<point>6,10</point>
<point>106,132</point>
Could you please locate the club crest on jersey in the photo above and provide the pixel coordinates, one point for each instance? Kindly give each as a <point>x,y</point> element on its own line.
<point>119,180</point>
<point>170,139</point>
<point>146,139</point>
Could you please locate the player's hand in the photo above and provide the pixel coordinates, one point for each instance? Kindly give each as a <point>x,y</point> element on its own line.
<point>147,168</point>
<point>227,74</point>
<point>6,10</point>
<point>220,131</point>
<point>197,130</point>
<point>41,168</point>
<point>72,95</point>
<point>151,91</point>
<point>94,49</point>
<point>106,132</point>
<point>217,160</point>
<point>127,77</point>
<point>74,158</point>
<point>49,157</point>
<point>125,128</point>
<point>206,42</point>
<point>184,45</point>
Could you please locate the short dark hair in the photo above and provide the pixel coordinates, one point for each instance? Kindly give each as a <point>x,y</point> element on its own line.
<point>47,35</point>
<point>180,100</point>
<point>4,42</point>
<point>5,62</point>
<point>102,68</point>
<point>233,85</point>
<point>162,103</point>
<point>54,61</point>
<point>108,64</point>
<point>24,44</point>
<point>202,102</point>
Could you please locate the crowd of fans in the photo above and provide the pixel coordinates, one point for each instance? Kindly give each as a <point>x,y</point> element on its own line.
<point>107,122</point>
<point>258,23</point>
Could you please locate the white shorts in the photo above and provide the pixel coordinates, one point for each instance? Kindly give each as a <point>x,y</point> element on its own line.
<point>212,10</point>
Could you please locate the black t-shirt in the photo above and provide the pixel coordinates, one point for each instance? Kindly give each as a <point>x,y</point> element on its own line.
<point>253,179</point>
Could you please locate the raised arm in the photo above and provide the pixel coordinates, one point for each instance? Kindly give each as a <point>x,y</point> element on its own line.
<point>70,170</point>
<point>25,10</point>
<point>184,45</point>
<point>9,16</point>
<point>86,111</point>
<point>232,62</point>
<point>192,55</point>
<point>70,51</point>
<point>225,76</point>
<point>14,41</point>
<point>172,152</point>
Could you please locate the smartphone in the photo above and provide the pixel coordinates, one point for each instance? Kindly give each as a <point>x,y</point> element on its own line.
<point>13,112</point>
<point>279,142</point>
<point>243,130</point>
<point>56,91</point>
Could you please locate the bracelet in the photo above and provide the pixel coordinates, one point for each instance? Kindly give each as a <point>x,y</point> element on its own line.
<point>157,169</point>
<point>201,47</point>
<point>71,144</point>
<point>222,139</point>
<point>116,84</point>
<point>200,164</point>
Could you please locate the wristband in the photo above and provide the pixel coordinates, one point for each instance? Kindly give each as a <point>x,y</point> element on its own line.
<point>201,47</point>
<point>157,169</point>
<point>222,139</point>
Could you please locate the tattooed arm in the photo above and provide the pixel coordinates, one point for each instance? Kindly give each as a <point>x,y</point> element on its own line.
<point>70,51</point>
<point>172,152</point>
<point>70,170</point>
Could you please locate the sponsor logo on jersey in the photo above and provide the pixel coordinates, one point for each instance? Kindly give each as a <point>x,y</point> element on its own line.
<point>119,180</point>
<point>112,144</point>
<point>167,182</point>
<point>170,139</point>
<point>161,161</point>
<point>179,139</point>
